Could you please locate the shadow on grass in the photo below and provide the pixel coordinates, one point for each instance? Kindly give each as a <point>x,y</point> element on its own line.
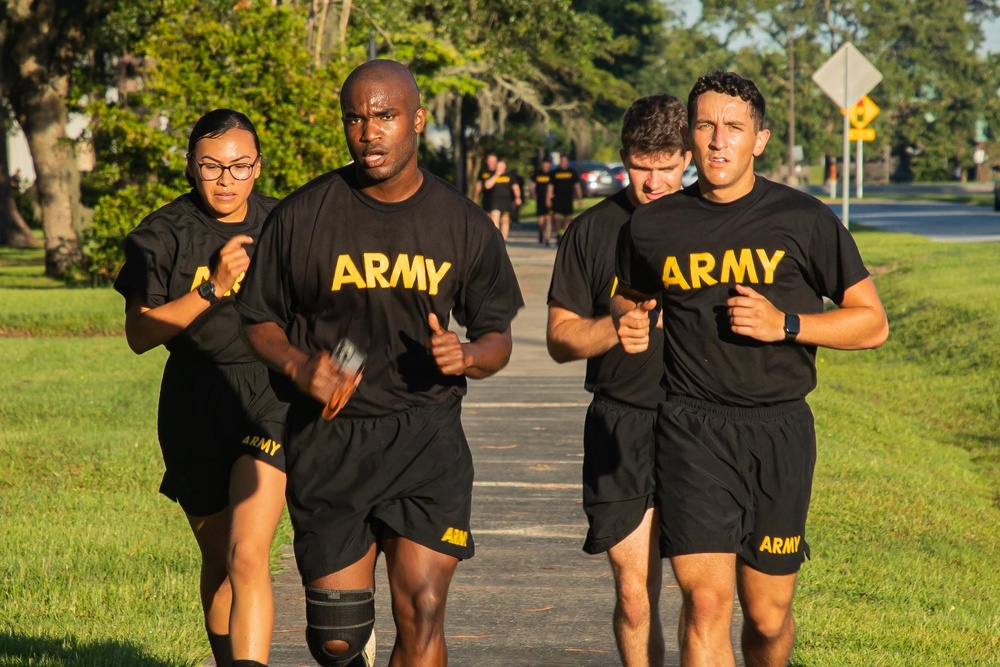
<point>17,650</point>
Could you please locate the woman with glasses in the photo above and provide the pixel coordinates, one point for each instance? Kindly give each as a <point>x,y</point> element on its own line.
<point>219,422</point>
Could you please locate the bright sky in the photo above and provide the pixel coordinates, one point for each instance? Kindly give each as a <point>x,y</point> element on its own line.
<point>992,32</point>
<point>692,10</point>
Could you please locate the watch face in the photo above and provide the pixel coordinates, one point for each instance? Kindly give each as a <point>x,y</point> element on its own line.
<point>791,325</point>
<point>207,291</point>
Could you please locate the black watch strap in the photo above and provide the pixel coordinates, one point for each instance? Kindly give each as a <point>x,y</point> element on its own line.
<point>791,326</point>
<point>207,291</point>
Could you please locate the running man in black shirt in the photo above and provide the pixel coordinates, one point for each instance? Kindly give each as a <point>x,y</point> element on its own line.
<point>740,267</point>
<point>485,180</point>
<point>541,181</point>
<point>618,491</point>
<point>566,186</point>
<point>380,253</point>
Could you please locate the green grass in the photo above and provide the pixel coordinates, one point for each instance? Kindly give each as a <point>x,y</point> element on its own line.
<point>904,523</point>
<point>98,569</point>
<point>35,305</point>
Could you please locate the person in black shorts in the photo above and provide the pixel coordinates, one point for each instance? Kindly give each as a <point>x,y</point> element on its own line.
<point>219,423</point>
<point>618,490</point>
<point>501,193</point>
<point>740,267</point>
<point>565,187</point>
<point>485,181</point>
<point>380,253</point>
<point>541,181</point>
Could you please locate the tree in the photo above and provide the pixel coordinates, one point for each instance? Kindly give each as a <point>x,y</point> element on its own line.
<point>198,57</point>
<point>494,58</point>
<point>41,42</point>
<point>14,231</point>
<point>935,85</point>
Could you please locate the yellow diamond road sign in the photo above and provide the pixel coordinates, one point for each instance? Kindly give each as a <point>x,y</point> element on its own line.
<point>861,134</point>
<point>863,112</point>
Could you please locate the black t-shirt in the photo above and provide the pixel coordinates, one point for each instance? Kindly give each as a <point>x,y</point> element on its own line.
<point>335,263</point>
<point>543,181</point>
<point>564,184</point>
<point>583,281</point>
<point>485,175</point>
<point>784,244</point>
<point>173,251</point>
<point>503,191</point>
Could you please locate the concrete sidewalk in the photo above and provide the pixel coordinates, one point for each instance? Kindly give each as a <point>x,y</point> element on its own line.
<point>530,597</point>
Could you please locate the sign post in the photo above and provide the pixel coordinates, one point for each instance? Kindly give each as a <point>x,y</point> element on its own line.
<point>847,77</point>
<point>861,114</point>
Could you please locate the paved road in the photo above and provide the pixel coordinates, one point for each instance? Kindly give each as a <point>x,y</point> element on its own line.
<point>937,221</point>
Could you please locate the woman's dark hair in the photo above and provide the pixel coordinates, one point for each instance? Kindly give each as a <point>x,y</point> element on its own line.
<point>215,124</point>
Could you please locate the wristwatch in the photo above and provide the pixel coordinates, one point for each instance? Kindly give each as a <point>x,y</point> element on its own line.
<point>791,326</point>
<point>207,291</point>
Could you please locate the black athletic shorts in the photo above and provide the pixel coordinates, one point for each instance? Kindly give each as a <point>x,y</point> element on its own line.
<point>502,205</point>
<point>562,206</point>
<point>209,416</point>
<point>735,480</point>
<point>410,471</point>
<point>618,463</point>
<point>542,207</point>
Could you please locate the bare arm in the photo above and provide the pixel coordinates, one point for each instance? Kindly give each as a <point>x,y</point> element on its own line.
<point>858,324</point>
<point>570,336</point>
<point>497,173</point>
<point>316,375</point>
<point>630,315</point>
<point>146,328</point>
<point>517,194</point>
<point>476,359</point>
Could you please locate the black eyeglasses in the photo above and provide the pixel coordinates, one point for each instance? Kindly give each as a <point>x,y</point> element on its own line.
<point>212,171</point>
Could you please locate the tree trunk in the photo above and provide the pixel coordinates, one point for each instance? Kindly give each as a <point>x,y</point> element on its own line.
<point>43,118</point>
<point>14,231</point>
<point>40,54</point>
<point>345,18</point>
<point>457,152</point>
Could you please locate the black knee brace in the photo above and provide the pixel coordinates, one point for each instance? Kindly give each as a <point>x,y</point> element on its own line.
<point>347,616</point>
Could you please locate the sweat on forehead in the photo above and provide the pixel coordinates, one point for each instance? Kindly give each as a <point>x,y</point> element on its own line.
<point>388,73</point>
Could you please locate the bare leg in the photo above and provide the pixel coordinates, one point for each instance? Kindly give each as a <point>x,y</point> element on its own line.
<point>504,225</point>
<point>212,534</point>
<point>707,583</point>
<point>419,578</point>
<point>495,217</point>
<point>257,494</point>
<point>769,627</point>
<point>638,573</point>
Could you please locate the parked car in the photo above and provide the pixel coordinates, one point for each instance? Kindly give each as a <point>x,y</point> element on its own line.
<point>690,175</point>
<point>597,178</point>
<point>620,173</point>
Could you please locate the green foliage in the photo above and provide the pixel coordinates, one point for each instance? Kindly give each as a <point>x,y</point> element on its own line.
<point>114,218</point>
<point>199,57</point>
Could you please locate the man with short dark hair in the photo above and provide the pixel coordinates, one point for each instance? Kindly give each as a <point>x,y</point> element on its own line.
<point>740,267</point>
<point>375,257</point>
<point>618,490</point>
